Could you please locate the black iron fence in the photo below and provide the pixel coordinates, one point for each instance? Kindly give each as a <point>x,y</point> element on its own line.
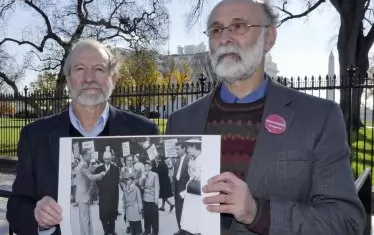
<point>159,101</point>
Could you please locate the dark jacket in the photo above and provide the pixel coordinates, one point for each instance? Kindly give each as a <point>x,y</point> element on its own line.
<point>38,162</point>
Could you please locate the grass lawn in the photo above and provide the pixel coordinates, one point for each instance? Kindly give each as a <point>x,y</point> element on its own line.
<point>362,150</point>
<point>9,135</point>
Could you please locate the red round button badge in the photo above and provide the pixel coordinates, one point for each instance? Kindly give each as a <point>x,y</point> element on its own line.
<point>275,124</point>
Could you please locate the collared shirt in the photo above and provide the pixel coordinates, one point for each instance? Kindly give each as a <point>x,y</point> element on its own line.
<point>180,167</point>
<point>257,94</point>
<point>107,167</point>
<point>98,128</point>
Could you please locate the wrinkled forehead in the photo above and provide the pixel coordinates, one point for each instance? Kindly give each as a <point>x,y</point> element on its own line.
<point>230,11</point>
<point>89,52</point>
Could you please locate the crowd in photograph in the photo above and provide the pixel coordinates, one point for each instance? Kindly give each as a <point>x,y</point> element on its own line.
<point>145,184</point>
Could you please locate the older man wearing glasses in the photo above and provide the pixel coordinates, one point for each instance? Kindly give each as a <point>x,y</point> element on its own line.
<point>284,159</point>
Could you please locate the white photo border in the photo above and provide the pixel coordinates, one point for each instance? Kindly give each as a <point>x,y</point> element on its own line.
<point>210,154</point>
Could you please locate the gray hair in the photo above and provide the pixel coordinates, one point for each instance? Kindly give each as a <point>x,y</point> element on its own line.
<point>113,64</point>
<point>270,17</point>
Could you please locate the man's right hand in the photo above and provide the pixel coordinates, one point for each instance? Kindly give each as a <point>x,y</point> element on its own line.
<point>47,213</point>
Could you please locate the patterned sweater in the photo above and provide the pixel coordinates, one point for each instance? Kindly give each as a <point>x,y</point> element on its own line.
<point>238,125</point>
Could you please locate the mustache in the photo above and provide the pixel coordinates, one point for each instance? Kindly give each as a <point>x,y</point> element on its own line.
<point>224,50</point>
<point>86,86</point>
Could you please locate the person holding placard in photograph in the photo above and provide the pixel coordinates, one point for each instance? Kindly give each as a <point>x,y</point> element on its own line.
<point>151,187</point>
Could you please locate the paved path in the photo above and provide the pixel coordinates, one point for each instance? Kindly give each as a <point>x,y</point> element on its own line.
<point>6,181</point>
<point>168,222</point>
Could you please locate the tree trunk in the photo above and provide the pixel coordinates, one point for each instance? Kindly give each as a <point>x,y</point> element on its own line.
<point>356,94</point>
<point>10,83</point>
<point>58,104</point>
<point>356,108</point>
<point>60,83</point>
<point>346,58</point>
<point>351,52</point>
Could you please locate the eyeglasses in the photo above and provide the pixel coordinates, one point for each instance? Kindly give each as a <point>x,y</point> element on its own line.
<point>235,28</point>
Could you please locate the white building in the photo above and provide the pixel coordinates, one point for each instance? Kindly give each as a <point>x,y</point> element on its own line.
<point>193,49</point>
<point>271,67</point>
<point>180,50</point>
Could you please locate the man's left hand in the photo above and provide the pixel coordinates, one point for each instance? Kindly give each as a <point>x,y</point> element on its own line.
<point>234,197</point>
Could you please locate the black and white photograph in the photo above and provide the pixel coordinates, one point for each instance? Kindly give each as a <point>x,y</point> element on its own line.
<point>137,185</point>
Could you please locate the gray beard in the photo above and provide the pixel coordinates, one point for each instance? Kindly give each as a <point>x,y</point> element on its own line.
<point>91,100</point>
<point>231,70</point>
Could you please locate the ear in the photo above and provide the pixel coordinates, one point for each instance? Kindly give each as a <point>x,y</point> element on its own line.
<point>68,82</point>
<point>115,79</point>
<point>270,37</point>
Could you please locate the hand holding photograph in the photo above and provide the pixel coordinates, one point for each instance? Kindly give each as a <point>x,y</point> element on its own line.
<point>137,185</point>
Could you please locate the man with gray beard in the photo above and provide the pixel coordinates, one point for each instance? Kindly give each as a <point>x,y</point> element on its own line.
<point>91,71</point>
<point>285,162</point>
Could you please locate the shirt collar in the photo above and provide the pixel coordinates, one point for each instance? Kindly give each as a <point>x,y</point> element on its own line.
<point>100,123</point>
<point>257,94</point>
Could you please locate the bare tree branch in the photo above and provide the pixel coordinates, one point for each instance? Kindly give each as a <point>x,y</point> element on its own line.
<point>10,71</point>
<point>311,7</point>
<point>5,6</point>
<point>50,33</point>
<point>195,12</point>
<point>137,24</point>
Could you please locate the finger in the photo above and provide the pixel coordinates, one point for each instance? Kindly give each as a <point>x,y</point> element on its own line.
<point>51,212</point>
<point>219,199</point>
<point>218,187</point>
<point>55,206</point>
<point>53,209</point>
<point>225,177</point>
<point>52,203</point>
<point>45,219</point>
<point>228,209</point>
